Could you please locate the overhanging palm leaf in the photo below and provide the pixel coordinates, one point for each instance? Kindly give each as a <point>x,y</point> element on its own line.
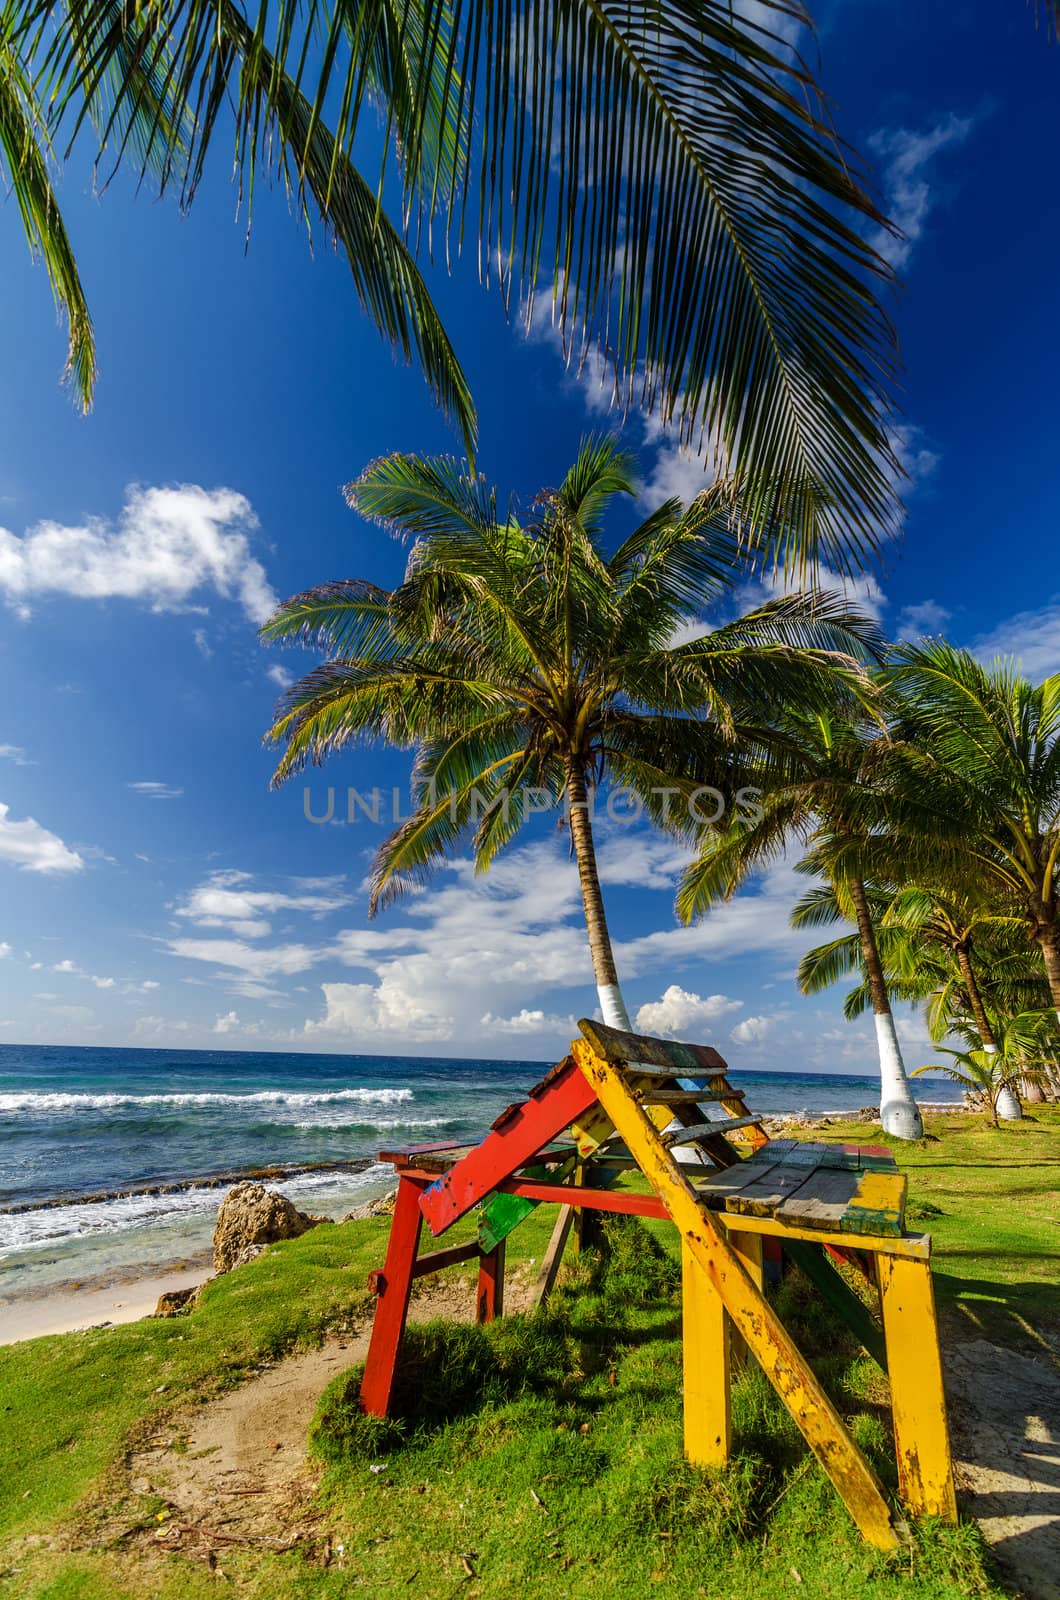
<point>523,663</point>
<point>26,151</point>
<point>665,173</point>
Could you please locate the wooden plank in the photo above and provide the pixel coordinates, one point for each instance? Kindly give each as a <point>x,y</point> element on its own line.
<point>918,1403</point>
<point>638,1049</point>
<point>747,1248</point>
<point>438,1260</point>
<point>821,1201</point>
<point>394,1284</point>
<point>766,1194</point>
<point>705,1355</point>
<point>557,1102</point>
<point>631,1205</point>
<point>707,1130</point>
<point>644,1069</point>
<point>812,1260</point>
<point>878,1207</point>
<point>670,1097</point>
<point>489,1292</point>
<point>714,1190</point>
<point>546,1278</point>
<point>770,1343</point>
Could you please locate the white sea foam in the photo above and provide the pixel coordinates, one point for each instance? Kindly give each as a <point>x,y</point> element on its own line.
<point>59,1227</point>
<point>48,1103</point>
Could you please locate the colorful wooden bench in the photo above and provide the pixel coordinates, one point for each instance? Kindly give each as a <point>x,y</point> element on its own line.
<point>627,1101</point>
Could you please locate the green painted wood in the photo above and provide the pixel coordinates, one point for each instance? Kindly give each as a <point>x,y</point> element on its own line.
<point>812,1260</point>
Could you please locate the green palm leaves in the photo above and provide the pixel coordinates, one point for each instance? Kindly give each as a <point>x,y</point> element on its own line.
<point>663,175</point>
<point>520,658</point>
<point>25,146</point>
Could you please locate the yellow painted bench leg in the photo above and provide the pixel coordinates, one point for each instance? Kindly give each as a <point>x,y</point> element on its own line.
<point>918,1402</point>
<point>705,1353</point>
<point>747,1247</point>
<point>771,1344</point>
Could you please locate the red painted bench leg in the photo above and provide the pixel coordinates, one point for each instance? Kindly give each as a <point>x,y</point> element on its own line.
<point>489,1297</point>
<point>391,1310</point>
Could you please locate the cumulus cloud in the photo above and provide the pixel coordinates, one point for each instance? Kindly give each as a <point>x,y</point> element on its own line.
<point>28,845</point>
<point>525,1021</point>
<point>280,676</point>
<point>5,949</point>
<point>908,157</point>
<point>170,547</point>
<point>752,1030</point>
<point>679,1010</point>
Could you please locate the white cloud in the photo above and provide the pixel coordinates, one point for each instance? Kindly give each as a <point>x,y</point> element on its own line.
<point>918,460</point>
<point>225,901</point>
<point>679,1011</point>
<point>202,643</point>
<point>16,755</point>
<point>280,676</point>
<point>5,950</point>
<point>529,1022</point>
<point>863,592</point>
<point>30,846</point>
<point>252,960</point>
<point>67,966</point>
<point>922,620</point>
<point>151,789</point>
<point>1030,638</point>
<point>168,546</point>
<point>752,1030</point>
<point>356,1009</point>
<point>908,156</point>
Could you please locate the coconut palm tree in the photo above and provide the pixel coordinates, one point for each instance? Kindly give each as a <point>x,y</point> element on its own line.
<point>665,176</point>
<point>1024,1044</point>
<point>527,666</point>
<point>937,948</point>
<point>980,747</point>
<point>824,791</point>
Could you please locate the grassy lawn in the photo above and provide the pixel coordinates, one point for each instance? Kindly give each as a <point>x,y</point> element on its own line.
<point>542,1456</point>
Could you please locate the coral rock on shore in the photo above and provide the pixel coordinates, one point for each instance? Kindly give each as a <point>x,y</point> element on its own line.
<point>381,1206</point>
<point>176,1301</point>
<point>252,1217</point>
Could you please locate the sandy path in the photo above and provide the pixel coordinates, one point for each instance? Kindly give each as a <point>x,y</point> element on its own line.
<point>243,1477</point>
<point>239,1473</point>
<point>1005,1426</point>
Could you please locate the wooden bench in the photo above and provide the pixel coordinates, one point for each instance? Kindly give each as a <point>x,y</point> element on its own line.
<point>626,1101</point>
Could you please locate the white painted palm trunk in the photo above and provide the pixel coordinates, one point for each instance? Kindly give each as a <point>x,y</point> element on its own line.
<point>899,1112</point>
<point>613,1007</point>
<point>1007,1103</point>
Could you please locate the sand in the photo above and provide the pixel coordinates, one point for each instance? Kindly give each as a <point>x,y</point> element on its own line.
<point>73,1307</point>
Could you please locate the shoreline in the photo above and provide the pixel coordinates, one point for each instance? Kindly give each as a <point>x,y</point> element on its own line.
<point>73,1308</point>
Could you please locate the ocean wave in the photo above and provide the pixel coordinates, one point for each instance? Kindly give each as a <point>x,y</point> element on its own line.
<point>56,1227</point>
<point>46,1102</point>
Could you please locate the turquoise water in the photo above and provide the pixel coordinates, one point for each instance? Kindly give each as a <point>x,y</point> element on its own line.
<point>85,1132</point>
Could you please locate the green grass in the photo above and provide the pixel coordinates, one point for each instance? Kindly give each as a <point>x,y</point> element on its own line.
<point>579,1408</point>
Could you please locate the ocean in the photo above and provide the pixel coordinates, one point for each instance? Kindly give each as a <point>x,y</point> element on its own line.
<point>113,1162</point>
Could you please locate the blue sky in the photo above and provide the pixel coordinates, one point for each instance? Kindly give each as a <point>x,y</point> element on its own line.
<point>152,890</point>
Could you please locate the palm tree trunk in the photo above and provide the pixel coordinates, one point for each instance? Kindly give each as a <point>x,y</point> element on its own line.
<point>1048,939</point>
<point>899,1112</point>
<point>1005,1103</point>
<point>612,1006</point>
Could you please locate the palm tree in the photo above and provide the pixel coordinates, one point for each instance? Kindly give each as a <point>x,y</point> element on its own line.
<point>996,1074</point>
<point>524,664</point>
<point>666,175</point>
<point>824,792</point>
<point>980,746</point>
<point>932,945</point>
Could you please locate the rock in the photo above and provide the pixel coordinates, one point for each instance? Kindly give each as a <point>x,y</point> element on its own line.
<point>381,1206</point>
<point>177,1301</point>
<point>252,1217</point>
